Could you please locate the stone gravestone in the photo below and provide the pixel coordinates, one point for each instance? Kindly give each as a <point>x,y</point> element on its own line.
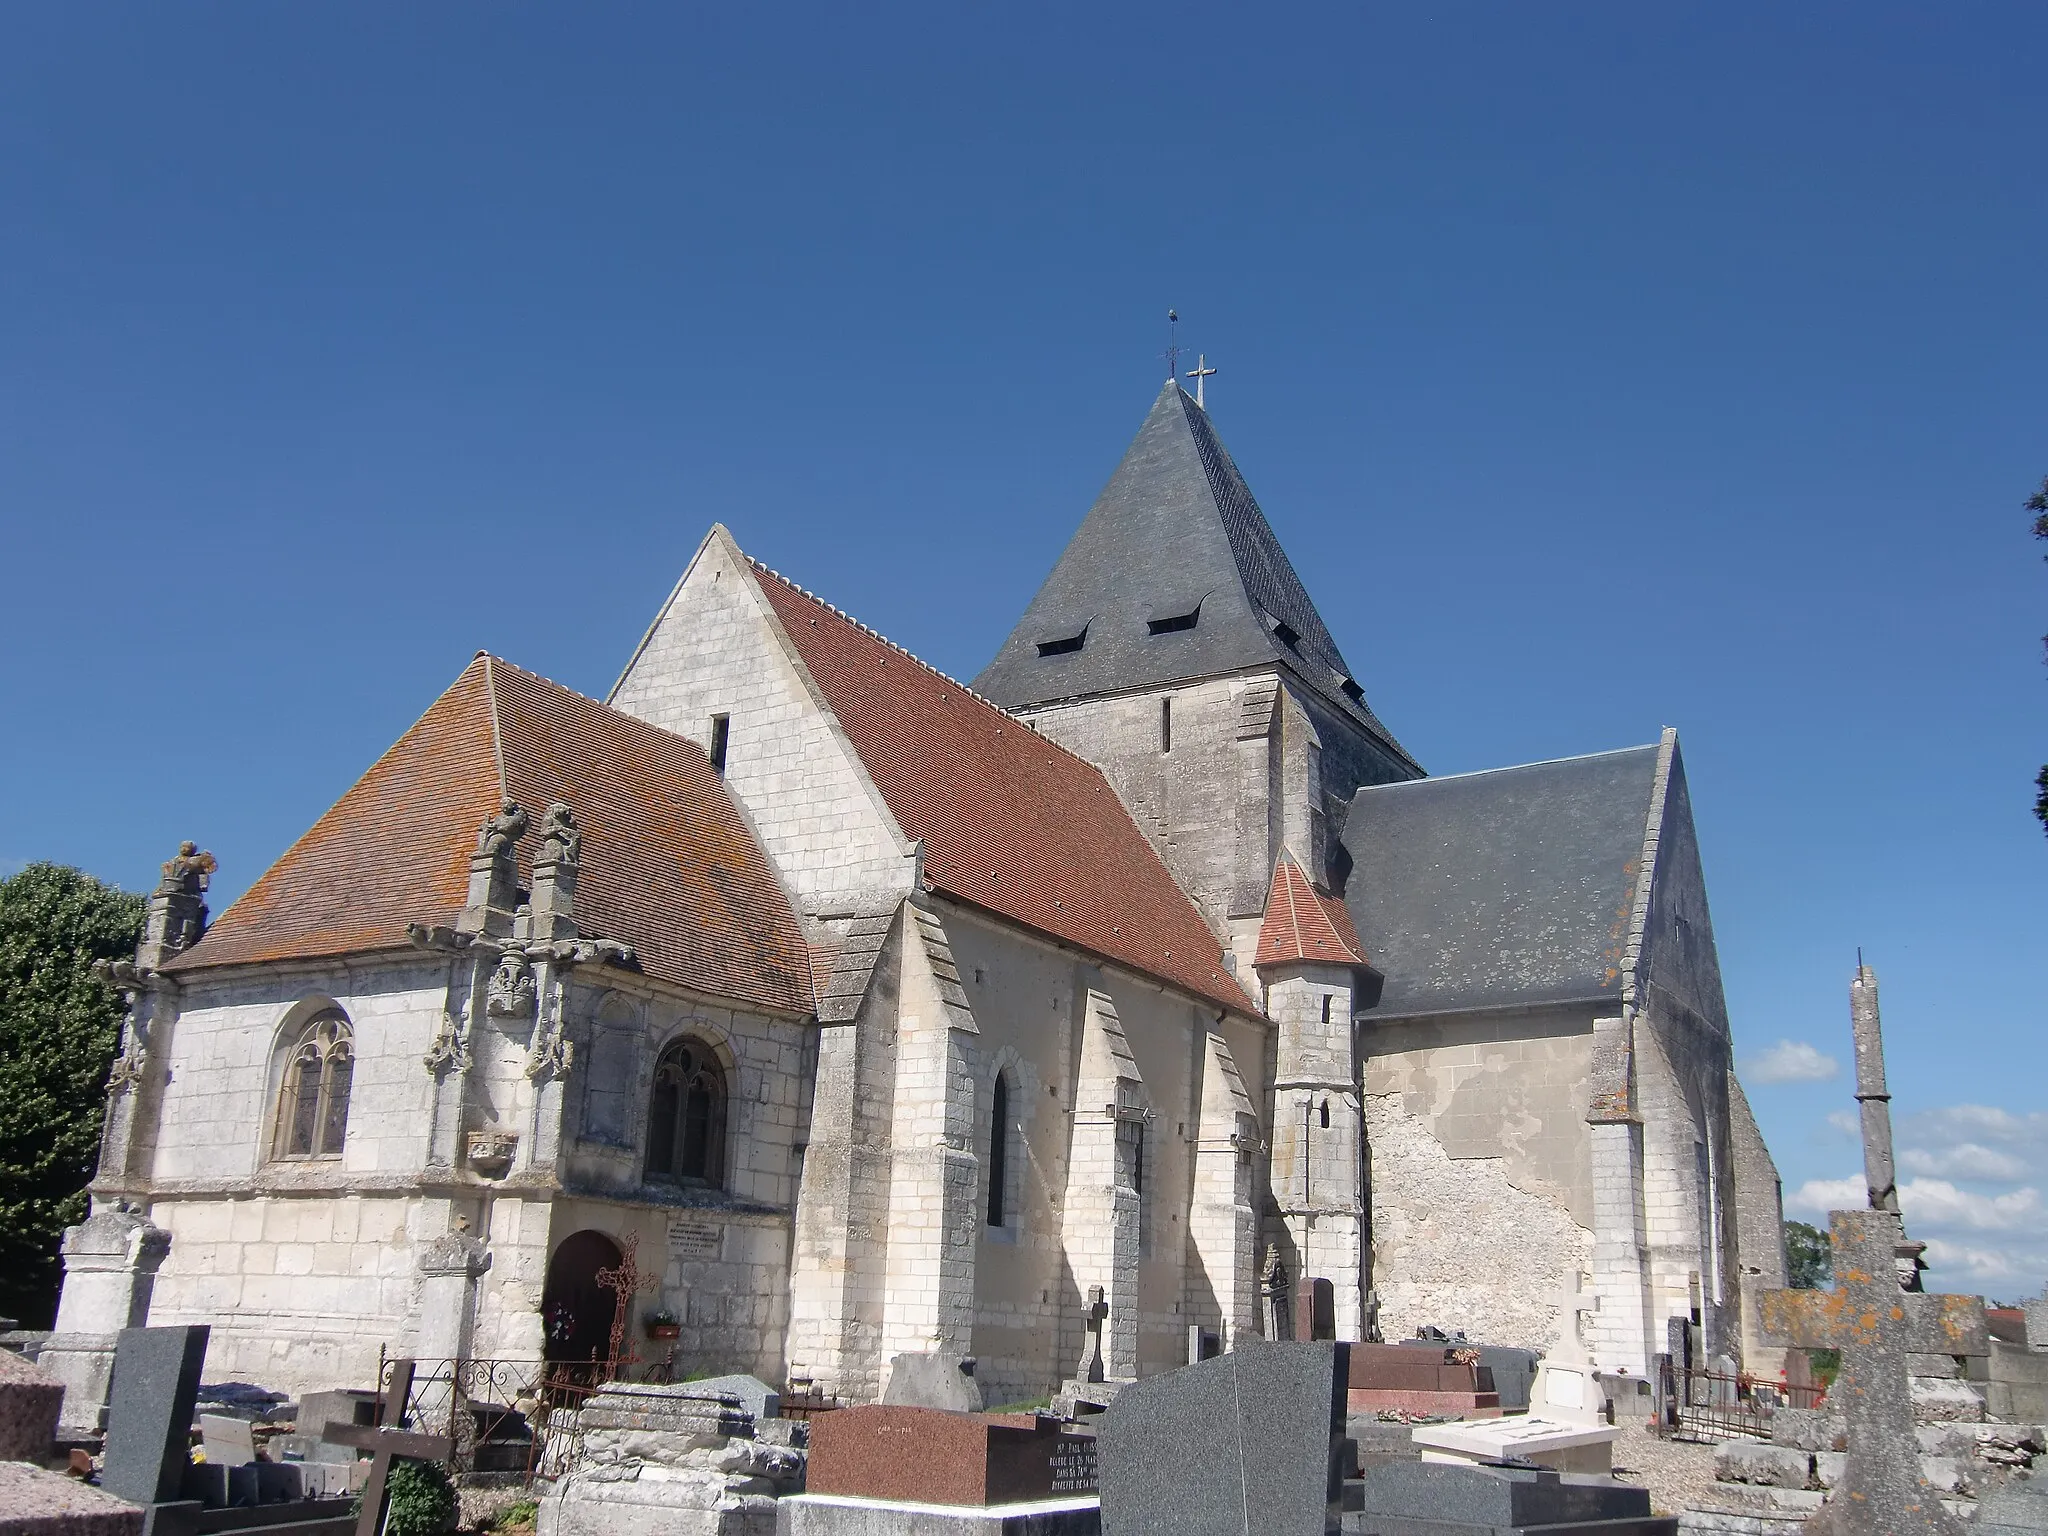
<point>927,1456</point>
<point>35,1501</point>
<point>228,1442</point>
<point>2037,1320</point>
<point>1419,1498</point>
<point>149,1418</point>
<point>933,1381</point>
<point>30,1401</point>
<point>1315,1308</point>
<point>1566,1389</point>
<point>1446,1381</point>
<point>754,1395</point>
<point>1248,1444</point>
<point>2020,1506</point>
<point>1513,1370</point>
<point>1875,1325</point>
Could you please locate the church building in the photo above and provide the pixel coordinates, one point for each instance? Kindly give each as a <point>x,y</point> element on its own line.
<point>836,1010</point>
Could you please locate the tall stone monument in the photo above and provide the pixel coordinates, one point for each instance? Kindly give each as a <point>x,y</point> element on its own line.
<point>1874,1108</point>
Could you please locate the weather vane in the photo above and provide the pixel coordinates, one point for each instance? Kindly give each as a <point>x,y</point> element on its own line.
<point>1172,347</point>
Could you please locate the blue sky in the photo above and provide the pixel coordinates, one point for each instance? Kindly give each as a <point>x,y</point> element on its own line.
<point>1603,366</point>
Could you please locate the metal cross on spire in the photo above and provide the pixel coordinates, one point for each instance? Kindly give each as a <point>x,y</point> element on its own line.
<point>1200,372</point>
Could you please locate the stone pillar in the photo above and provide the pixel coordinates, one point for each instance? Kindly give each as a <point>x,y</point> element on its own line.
<point>1318,1130</point>
<point>1100,1216</point>
<point>1223,1221</point>
<point>449,1269</point>
<point>1621,1275</point>
<point>110,1265</point>
<point>934,1228</point>
<point>1257,832</point>
<point>552,934</point>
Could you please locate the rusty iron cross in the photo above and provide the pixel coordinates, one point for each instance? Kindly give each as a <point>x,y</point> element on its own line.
<point>624,1281</point>
<point>1876,1326</point>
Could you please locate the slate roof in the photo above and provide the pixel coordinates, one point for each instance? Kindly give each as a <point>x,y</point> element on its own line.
<point>1511,887</point>
<point>1010,822</point>
<point>667,863</point>
<point>1302,923</point>
<point>1175,532</point>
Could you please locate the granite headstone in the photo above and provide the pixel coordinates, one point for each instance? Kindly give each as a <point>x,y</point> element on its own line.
<point>1248,1444</point>
<point>929,1456</point>
<point>33,1499</point>
<point>754,1394</point>
<point>933,1381</point>
<point>30,1401</point>
<point>149,1417</point>
<point>1514,1370</point>
<point>1420,1498</point>
<point>2022,1505</point>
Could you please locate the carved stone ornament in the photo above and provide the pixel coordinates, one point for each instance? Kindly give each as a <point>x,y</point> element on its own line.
<point>561,838</point>
<point>187,871</point>
<point>498,833</point>
<point>512,987</point>
<point>126,1073</point>
<point>456,1253</point>
<point>551,1056</point>
<point>447,1051</point>
<point>491,1152</point>
<point>439,936</point>
<point>124,975</point>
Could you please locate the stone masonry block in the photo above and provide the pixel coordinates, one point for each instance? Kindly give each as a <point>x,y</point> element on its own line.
<point>1775,1466</point>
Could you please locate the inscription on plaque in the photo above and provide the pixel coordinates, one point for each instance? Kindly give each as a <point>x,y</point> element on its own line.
<point>1073,1464</point>
<point>693,1240</point>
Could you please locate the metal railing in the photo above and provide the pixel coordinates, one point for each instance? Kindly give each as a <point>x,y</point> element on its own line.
<point>1715,1405</point>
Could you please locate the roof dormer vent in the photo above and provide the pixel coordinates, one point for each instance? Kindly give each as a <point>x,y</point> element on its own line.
<point>1066,645</point>
<point>1174,623</point>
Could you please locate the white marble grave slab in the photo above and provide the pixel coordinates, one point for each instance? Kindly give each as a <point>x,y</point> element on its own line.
<point>1547,1442</point>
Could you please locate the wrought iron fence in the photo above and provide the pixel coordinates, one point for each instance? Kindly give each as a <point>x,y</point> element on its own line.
<point>1715,1405</point>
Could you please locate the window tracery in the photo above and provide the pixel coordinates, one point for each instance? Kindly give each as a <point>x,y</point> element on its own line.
<point>313,1094</point>
<point>686,1116</point>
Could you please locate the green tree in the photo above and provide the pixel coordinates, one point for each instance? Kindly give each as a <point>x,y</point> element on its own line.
<point>59,1028</point>
<point>1809,1257</point>
<point>2038,505</point>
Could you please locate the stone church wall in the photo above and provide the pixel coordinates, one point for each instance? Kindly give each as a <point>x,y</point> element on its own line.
<point>712,652</point>
<point>1481,1185</point>
<point>1029,1000</point>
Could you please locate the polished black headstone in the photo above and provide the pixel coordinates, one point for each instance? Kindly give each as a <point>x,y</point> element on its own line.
<point>1246,1444</point>
<point>149,1415</point>
<point>1426,1498</point>
<point>1514,1370</point>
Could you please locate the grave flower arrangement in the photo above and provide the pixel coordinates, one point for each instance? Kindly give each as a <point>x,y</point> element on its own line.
<point>662,1324</point>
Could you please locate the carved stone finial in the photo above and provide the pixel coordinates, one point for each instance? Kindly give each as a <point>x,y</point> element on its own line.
<point>561,838</point>
<point>498,833</point>
<point>187,872</point>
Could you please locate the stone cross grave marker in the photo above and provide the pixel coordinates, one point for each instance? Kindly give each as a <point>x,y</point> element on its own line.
<point>1091,1353</point>
<point>388,1440</point>
<point>149,1418</point>
<point>1876,1326</point>
<point>1565,1386</point>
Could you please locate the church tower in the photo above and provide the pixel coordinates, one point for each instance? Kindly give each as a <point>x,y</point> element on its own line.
<point>1174,646</point>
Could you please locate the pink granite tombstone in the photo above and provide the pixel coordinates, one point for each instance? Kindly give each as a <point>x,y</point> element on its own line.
<point>30,1400</point>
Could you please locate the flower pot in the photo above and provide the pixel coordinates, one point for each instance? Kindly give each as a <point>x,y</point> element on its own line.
<point>664,1330</point>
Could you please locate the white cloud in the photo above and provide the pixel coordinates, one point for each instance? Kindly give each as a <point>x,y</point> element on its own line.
<point>1983,1124</point>
<point>1791,1061</point>
<point>1933,1203</point>
<point>1965,1160</point>
<point>2002,1266</point>
<point>1846,1123</point>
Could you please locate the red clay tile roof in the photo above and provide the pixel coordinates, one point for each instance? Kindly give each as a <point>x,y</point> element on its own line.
<point>1010,822</point>
<point>1304,924</point>
<point>667,865</point>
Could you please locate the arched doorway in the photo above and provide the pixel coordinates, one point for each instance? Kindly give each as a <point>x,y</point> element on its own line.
<point>576,1312</point>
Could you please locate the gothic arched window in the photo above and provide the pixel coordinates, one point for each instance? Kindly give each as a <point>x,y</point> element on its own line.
<point>312,1098</point>
<point>999,1151</point>
<point>686,1120</point>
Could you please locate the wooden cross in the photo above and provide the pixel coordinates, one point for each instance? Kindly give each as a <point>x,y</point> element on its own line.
<point>1098,1310</point>
<point>1876,1326</point>
<point>388,1441</point>
<point>624,1281</point>
<point>1200,372</point>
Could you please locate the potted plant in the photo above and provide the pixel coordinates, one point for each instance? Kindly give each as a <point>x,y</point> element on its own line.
<point>663,1324</point>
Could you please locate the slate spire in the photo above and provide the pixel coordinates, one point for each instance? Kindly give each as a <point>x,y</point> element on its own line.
<point>1173,575</point>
